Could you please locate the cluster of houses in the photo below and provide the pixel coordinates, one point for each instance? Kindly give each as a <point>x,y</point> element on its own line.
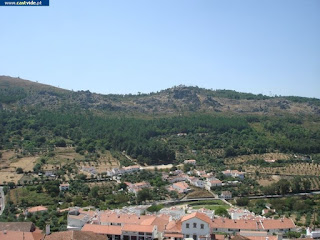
<point>174,224</point>
<point>179,181</point>
<point>123,170</point>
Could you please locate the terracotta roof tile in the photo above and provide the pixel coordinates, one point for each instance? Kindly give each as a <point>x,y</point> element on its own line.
<point>17,226</point>
<point>16,235</point>
<point>198,215</point>
<point>37,209</point>
<point>102,229</point>
<point>137,228</point>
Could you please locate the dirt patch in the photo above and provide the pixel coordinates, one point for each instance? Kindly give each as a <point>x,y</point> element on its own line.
<point>9,177</point>
<point>26,163</point>
<point>6,157</point>
<point>198,193</point>
<point>266,156</point>
<point>267,181</point>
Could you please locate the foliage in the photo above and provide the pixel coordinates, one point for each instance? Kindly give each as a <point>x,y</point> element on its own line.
<point>220,211</point>
<point>242,201</point>
<point>155,208</point>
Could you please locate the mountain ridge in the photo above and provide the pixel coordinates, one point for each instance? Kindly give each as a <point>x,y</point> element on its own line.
<point>20,93</point>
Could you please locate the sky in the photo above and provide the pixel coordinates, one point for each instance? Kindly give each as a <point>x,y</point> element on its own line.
<point>130,46</point>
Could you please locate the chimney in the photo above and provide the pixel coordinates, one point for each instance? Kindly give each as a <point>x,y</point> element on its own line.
<point>47,229</point>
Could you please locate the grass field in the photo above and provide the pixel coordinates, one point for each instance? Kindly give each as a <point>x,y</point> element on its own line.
<point>208,204</point>
<point>30,198</point>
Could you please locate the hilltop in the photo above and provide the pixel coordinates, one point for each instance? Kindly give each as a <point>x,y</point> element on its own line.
<point>156,128</point>
<point>19,93</point>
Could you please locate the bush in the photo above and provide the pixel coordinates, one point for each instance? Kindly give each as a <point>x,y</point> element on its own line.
<point>242,201</point>
<point>155,208</point>
<point>293,234</point>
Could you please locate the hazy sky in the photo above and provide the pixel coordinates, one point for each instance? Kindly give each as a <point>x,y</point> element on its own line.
<point>130,46</point>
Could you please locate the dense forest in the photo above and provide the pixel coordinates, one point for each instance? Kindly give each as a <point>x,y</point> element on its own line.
<point>156,128</point>
<point>157,140</point>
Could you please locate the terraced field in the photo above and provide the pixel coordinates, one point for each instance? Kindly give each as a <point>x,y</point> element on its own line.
<point>297,169</point>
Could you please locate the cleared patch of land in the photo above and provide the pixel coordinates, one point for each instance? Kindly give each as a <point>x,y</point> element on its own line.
<point>305,169</point>
<point>9,177</point>
<point>198,193</point>
<point>268,180</point>
<point>26,163</point>
<point>266,156</point>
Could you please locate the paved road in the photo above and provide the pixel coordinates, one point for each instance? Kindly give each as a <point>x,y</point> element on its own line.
<point>2,202</point>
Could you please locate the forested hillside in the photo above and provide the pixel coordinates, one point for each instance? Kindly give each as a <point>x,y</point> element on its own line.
<point>37,118</point>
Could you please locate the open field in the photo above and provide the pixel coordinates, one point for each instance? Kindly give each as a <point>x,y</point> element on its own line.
<point>55,160</point>
<point>198,193</point>
<point>208,204</point>
<point>33,198</point>
<point>302,169</point>
<point>266,156</point>
<point>268,180</point>
<point>6,158</point>
<point>9,177</point>
<point>26,163</point>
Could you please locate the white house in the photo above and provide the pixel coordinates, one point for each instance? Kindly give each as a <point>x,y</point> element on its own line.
<point>196,225</point>
<point>234,173</point>
<point>181,187</point>
<point>212,182</point>
<point>130,169</point>
<point>132,231</point>
<point>313,234</point>
<point>64,186</point>
<point>226,195</point>
<point>136,187</point>
<point>196,182</point>
<point>191,161</point>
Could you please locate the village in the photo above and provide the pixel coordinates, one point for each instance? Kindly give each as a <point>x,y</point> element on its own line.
<point>175,220</point>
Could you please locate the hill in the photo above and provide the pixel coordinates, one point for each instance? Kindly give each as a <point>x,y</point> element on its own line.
<point>16,92</point>
<point>157,128</point>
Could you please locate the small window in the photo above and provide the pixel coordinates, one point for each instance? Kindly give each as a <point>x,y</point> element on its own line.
<point>187,225</point>
<point>187,236</point>
<point>202,226</point>
<point>194,225</point>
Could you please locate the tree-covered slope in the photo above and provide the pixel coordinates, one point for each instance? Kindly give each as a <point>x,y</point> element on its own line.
<point>158,140</point>
<point>155,128</point>
<point>18,93</point>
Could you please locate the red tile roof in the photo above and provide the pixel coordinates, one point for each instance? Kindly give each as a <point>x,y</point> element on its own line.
<point>122,218</point>
<point>198,215</point>
<point>102,229</point>
<point>37,209</point>
<point>283,223</point>
<point>16,235</point>
<point>137,228</point>
<point>253,224</point>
